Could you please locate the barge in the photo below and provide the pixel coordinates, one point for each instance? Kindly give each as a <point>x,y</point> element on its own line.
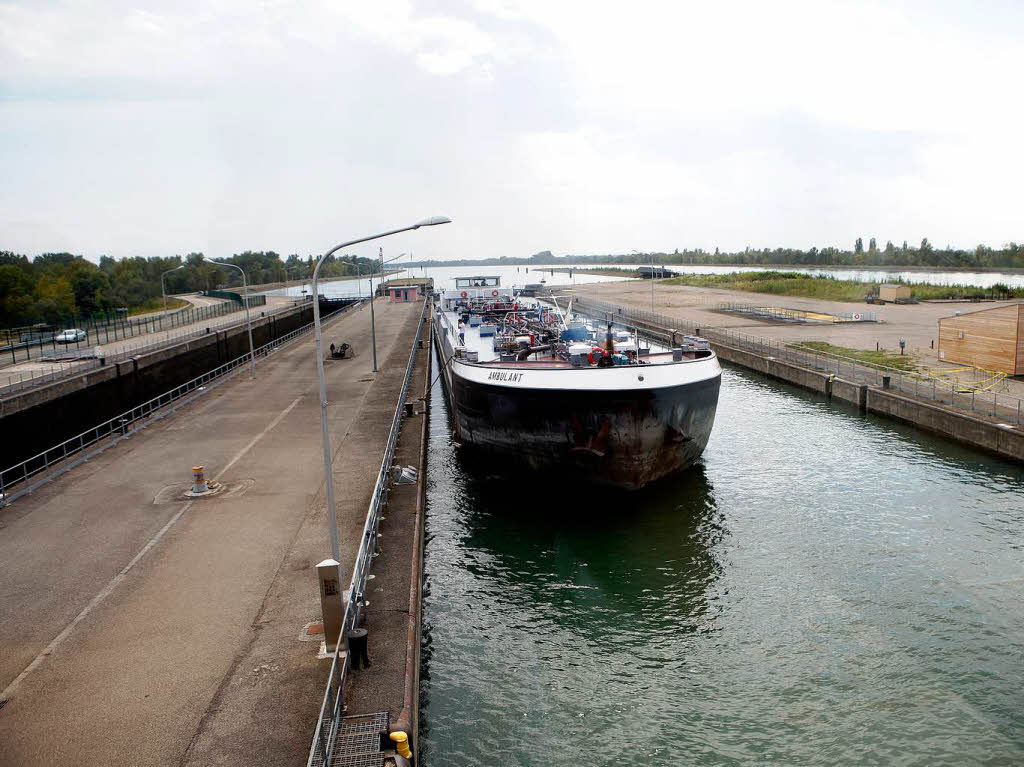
<point>530,386</point>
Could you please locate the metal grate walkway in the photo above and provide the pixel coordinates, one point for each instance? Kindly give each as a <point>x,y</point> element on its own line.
<point>358,741</point>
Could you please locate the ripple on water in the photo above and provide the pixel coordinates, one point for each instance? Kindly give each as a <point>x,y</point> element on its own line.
<point>824,589</point>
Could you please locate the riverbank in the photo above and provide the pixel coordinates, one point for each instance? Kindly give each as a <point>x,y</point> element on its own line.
<point>805,285</point>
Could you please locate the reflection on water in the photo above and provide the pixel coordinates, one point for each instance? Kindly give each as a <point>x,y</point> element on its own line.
<point>825,589</point>
<point>557,566</point>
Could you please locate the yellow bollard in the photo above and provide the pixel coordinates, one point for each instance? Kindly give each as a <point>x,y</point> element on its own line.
<point>401,744</point>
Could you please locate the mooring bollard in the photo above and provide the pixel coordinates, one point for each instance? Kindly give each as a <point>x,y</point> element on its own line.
<point>198,480</point>
<point>357,648</point>
<point>329,577</point>
<point>401,741</point>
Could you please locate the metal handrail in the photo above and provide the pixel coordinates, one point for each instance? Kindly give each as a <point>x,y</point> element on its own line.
<point>119,424</point>
<point>1004,406</point>
<point>321,750</point>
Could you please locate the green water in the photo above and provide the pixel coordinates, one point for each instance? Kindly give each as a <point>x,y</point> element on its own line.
<point>824,589</point>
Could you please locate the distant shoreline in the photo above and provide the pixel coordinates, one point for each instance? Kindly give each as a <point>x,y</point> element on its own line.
<point>804,267</point>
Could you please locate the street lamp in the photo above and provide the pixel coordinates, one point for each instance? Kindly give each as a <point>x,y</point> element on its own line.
<point>332,518</point>
<point>163,289</point>
<point>245,302</point>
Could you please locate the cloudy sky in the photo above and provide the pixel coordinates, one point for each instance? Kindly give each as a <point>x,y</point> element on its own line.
<point>577,127</point>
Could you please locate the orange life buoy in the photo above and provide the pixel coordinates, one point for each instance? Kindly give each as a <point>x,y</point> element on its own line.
<point>464,294</point>
<point>494,293</point>
<point>549,319</point>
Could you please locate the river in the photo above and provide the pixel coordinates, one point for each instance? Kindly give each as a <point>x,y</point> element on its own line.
<point>444,276</point>
<point>825,588</point>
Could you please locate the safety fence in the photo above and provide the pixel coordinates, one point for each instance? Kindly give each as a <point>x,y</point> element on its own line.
<point>24,343</point>
<point>131,421</point>
<point>958,394</point>
<point>332,709</point>
<point>68,362</point>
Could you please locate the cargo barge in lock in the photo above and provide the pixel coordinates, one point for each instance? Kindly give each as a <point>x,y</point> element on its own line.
<point>529,385</point>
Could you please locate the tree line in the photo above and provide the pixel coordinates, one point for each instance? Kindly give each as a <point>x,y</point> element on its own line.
<point>1010,256</point>
<point>57,287</point>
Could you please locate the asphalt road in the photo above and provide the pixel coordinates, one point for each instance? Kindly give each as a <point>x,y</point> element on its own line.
<point>128,615</point>
<point>16,375</point>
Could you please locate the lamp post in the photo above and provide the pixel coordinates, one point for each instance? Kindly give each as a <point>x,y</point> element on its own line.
<point>163,289</point>
<point>332,519</point>
<point>245,302</point>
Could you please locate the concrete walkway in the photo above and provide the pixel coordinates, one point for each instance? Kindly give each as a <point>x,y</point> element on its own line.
<point>139,628</point>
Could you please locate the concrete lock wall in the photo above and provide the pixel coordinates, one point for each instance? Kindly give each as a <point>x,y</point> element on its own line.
<point>38,419</point>
<point>847,391</point>
<point>784,371</point>
<point>962,427</point>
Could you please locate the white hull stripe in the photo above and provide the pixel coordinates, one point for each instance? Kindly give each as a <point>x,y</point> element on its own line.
<point>624,377</point>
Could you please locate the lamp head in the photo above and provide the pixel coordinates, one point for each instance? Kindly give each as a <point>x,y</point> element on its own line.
<point>433,221</point>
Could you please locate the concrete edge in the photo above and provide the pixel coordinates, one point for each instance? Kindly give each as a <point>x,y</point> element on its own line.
<point>419,547</point>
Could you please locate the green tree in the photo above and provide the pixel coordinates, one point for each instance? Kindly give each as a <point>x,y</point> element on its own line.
<point>54,298</point>
<point>15,296</point>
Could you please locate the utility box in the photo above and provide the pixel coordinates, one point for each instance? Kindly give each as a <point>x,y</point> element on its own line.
<point>893,292</point>
<point>991,339</point>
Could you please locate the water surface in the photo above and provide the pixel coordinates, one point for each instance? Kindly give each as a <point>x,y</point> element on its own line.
<point>824,589</point>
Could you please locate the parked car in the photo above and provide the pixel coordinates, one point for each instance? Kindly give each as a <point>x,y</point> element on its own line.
<point>70,336</point>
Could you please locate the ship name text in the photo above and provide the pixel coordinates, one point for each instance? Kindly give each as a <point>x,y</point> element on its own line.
<point>505,375</point>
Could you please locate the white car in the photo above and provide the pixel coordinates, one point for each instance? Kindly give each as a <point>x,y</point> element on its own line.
<point>70,336</point>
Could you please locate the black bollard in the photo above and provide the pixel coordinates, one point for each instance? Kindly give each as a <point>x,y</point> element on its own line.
<point>357,648</point>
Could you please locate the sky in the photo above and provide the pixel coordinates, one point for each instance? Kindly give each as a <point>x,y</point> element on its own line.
<point>154,129</point>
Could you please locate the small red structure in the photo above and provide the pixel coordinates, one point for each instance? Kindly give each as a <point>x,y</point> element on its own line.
<point>404,293</point>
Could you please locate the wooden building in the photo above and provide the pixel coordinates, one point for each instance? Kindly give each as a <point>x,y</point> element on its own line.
<point>992,339</point>
<point>893,292</point>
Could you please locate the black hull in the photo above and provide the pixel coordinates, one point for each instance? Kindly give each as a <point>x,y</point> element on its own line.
<point>625,438</point>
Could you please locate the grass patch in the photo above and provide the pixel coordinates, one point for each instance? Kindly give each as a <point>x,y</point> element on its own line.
<point>157,305</point>
<point>806,285</point>
<point>615,271</point>
<point>881,358</point>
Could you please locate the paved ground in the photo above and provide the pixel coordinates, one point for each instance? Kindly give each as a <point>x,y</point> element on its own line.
<point>155,633</point>
<point>917,323</point>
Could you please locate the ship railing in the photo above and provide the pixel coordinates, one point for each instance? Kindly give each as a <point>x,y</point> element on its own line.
<point>972,396</point>
<point>15,480</point>
<point>332,708</point>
